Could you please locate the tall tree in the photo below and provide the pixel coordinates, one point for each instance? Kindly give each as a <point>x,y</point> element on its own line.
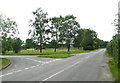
<point>8,28</point>
<point>40,24</point>
<point>70,28</point>
<point>55,30</point>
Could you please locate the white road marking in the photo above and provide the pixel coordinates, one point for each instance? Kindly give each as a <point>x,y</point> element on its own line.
<point>87,57</point>
<point>15,65</point>
<point>43,61</point>
<point>61,71</point>
<point>10,73</point>
<point>53,75</point>
<point>77,62</point>
<point>50,61</point>
<point>28,67</point>
<point>18,70</point>
<point>37,65</point>
<point>34,60</point>
<point>40,61</point>
<point>32,66</point>
<point>65,69</point>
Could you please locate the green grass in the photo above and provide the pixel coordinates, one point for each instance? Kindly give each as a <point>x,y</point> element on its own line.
<point>61,53</point>
<point>56,56</point>
<point>114,69</point>
<point>108,54</point>
<point>45,52</point>
<point>49,53</point>
<point>4,62</point>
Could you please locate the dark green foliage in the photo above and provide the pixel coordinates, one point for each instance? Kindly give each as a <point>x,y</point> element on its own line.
<point>102,43</point>
<point>113,48</point>
<point>78,39</point>
<point>4,45</point>
<point>17,45</point>
<point>29,44</point>
<point>7,44</point>
<point>87,39</point>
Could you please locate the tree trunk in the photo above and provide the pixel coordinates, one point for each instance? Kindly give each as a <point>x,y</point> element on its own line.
<point>55,49</point>
<point>69,48</point>
<point>40,48</point>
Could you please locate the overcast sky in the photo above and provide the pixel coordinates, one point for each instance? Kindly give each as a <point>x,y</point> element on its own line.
<point>94,14</point>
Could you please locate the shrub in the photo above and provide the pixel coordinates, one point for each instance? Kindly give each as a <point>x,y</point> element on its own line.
<point>113,48</point>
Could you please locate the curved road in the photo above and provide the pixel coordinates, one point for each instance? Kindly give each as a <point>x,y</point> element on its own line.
<point>82,67</point>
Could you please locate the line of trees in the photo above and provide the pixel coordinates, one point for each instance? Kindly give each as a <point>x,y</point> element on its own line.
<point>113,47</point>
<point>87,39</point>
<point>61,31</point>
<point>55,32</point>
<point>9,44</point>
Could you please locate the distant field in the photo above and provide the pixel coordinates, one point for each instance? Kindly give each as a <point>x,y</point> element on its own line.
<point>4,62</point>
<point>48,53</point>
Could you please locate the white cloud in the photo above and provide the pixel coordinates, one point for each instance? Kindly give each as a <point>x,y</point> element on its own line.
<point>94,14</point>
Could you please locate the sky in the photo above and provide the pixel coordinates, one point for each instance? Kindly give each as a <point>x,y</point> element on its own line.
<point>94,14</point>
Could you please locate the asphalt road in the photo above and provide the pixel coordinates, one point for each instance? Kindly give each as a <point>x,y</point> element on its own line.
<point>82,67</point>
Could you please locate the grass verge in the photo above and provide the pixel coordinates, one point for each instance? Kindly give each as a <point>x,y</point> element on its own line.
<point>114,69</point>
<point>49,53</point>
<point>46,52</point>
<point>62,53</point>
<point>56,56</point>
<point>4,62</point>
<point>108,54</point>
